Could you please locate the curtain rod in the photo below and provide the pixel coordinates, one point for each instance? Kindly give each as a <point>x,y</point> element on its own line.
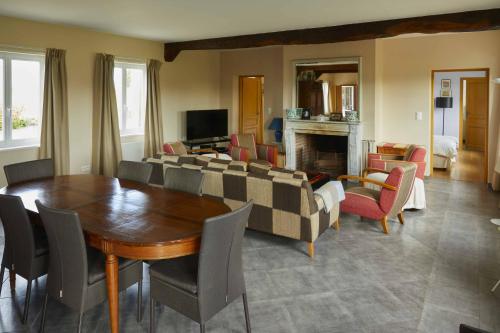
<point>17,48</point>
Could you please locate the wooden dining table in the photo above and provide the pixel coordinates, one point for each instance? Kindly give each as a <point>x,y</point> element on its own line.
<point>125,219</point>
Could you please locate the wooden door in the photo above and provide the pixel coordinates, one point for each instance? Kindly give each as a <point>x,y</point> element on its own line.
<point>476,115</point>
<point>251,105</point>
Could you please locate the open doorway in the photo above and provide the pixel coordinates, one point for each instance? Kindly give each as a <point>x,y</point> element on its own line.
<point>251,97</point>
<point>460,124</point>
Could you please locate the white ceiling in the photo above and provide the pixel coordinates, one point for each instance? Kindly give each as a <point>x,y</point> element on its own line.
<point>178,20</point>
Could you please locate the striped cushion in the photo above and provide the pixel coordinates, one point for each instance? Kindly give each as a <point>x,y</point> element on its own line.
<point>175,148</point>
<point>245,141</point>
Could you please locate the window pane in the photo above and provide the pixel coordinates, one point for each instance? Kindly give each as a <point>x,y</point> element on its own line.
<point>119,92</point>
<point>2,100</point>
<point>134,95</point>
<point>26,99</point>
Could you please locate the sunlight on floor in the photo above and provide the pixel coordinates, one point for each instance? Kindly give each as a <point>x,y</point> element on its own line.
<point>468,167</point>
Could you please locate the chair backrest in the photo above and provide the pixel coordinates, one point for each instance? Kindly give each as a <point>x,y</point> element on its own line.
<point>176,148</point>
<point>415,154</point>
<point>220,269</point>
<point>68,271</point>
<point>19,240</point>
<point>402,177</point>
<point>245,141</point>
<point>31,170</point>
<point>135,171</point>
<point>184,179</point>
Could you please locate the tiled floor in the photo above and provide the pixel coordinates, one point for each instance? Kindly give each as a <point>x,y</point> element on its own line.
<point>426,276</point>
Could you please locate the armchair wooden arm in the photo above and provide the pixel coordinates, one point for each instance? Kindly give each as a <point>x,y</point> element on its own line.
<point>368,180</point>
<point>374,170</point>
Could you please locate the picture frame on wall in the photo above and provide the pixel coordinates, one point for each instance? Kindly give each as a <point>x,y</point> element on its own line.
<point>446,93</point>
<point>446,84</point>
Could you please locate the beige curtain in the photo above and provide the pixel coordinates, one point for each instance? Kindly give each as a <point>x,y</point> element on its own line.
<point>54,139</point>
<point>153,126</point>
<point>495,182</point>
<point>106,145</point>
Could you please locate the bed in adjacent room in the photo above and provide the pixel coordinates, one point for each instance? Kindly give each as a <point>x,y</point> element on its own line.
<point>445,150</point>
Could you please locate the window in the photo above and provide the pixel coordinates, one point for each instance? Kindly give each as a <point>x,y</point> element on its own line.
<point>21,94</point>
<point>130,87</point>
<point>348,98</point>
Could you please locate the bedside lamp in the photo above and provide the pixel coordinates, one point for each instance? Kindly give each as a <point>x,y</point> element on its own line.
<point>277,126</point>
<point>444,103</point>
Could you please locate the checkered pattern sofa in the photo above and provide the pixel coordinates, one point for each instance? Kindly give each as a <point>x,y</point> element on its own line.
<point>284,203</point>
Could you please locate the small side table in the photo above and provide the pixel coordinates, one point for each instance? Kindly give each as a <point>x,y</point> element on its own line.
<point>392,148</point>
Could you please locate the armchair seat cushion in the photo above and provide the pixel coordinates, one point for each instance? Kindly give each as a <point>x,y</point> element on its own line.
<point>179,272</point>
<point>96,262</point>
<point>362,201</point>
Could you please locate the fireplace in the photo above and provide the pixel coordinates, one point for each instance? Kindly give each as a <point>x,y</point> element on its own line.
<point>321,153</point>
<point>323,146</point>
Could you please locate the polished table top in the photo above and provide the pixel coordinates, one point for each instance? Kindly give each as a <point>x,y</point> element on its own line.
<point>123,211</point>
<point>125,218</point>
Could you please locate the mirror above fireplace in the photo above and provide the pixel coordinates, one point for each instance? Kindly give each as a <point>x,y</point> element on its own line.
<point>328,87</point>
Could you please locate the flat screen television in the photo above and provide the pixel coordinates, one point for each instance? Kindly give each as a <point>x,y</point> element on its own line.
<point>203,124</point>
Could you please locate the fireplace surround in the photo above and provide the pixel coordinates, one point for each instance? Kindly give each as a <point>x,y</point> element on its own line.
<point>323,146</point>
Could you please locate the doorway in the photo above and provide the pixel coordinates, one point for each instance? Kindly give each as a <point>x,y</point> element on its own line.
<point>460,124</point>
<point>251,102</point>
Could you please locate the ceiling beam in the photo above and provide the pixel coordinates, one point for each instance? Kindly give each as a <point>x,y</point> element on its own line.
<point>479,20</point>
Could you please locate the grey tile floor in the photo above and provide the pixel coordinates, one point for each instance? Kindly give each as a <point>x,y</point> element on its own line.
<point>429,275</point>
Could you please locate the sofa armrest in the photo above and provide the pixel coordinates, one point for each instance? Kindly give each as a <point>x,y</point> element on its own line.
<point>268,153</point>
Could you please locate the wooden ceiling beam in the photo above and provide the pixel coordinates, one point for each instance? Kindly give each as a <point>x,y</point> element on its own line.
<point>478,20</point>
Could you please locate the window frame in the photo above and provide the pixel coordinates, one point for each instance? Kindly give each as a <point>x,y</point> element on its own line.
<point>8,56</point>
<point>352,97</point>
<point>123,65</point>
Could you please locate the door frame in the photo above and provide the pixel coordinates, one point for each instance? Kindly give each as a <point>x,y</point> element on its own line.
<point>240,100</point>
<point>486,152</point>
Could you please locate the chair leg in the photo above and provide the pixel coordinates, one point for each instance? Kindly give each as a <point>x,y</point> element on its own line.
<point>27,302</point>
<point>151,314</point>
<point>310,249</point>
<point>80,319</point>
<point>247,315</point>
<point>2,272</point>
<point>12,280</point>
<point>44,311</point>
<point>336,224</point>
<point>202,328</point>
<point>139,301</point>
<point>383,221</point>
<point>401,218</point>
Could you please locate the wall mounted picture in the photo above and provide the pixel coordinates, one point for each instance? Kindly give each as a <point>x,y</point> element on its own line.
<point>446,84</point>
<point>446,93</point>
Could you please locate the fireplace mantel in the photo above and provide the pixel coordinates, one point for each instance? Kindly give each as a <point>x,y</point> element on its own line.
<point>353,130</point>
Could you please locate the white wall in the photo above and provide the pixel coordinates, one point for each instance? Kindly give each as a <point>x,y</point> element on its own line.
<point>452,115</point>
<point>191,81</point>
<point>263,61</point>
<point>405,74</point>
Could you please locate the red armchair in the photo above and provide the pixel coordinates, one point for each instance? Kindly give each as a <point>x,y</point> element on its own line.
<point>414,153</point>
<point>379,205</point>
<point>244,148</point>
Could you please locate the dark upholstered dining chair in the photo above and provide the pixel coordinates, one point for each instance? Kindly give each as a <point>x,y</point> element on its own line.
<point>76,275</point>
<point>199,286</point>
<point>31,170</point>
<point>135,171</point>
<point>184,179</point>
<point>26,253</point>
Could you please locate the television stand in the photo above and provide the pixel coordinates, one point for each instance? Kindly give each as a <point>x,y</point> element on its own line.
<point>207,143</point>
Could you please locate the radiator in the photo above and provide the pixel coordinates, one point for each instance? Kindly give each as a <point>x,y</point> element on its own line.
<point>367,146</point>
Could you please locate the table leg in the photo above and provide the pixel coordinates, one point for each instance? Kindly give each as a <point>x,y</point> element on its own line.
<point>112,285</point>
<point>12,279</point>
